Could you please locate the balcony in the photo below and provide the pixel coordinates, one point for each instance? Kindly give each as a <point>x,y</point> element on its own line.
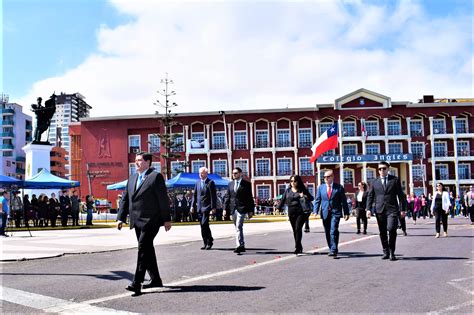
<point>283,144</point>
<point>261,144</point>
<point>349,133</point>
<point>305,144</point>
<point>7,111</point>
<point>240,146</point>
<point>7,147</point>
<point>7,134</point>
<point>439,131</point>
<point>284,172</point>
<point>260,173</point>
<point>306,173</point>
<point>218,146</point>
<point>7,123</point>
<point>416,133</point>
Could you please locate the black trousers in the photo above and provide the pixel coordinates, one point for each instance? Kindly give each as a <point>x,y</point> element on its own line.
<point>441,216</point>
<point>470,210</point>
<point>297,222</point>
<point>403,224</point>
<point>388,223</point>
<point>361,216</point>
<point>146,260</point>
<point>205,229</point>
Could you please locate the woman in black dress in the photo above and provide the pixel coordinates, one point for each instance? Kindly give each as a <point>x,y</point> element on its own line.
<point>360,205</point>
<point>291,198</point>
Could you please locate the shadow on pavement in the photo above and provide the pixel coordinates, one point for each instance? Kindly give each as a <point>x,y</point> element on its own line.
<point>117,275</point>
<point>210,288</point>
<point>431,258</point>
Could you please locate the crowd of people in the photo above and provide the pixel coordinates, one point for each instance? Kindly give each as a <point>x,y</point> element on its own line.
<point>44,210</point>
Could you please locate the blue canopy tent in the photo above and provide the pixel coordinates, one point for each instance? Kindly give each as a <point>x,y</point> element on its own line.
<point>46,180</point>
<point>6,181</point>
<point>118,186</point>
<point>190,179</point>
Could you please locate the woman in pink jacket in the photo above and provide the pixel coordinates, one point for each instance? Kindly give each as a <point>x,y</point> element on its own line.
<point>416,208</point>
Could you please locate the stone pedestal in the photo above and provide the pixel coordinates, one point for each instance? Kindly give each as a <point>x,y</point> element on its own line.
<point>37,158</point>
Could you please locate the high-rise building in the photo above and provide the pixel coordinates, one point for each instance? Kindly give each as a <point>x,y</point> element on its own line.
<point>69,108</point>
<point>16,131</point>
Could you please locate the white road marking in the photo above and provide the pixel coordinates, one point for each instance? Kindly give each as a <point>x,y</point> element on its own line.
<point>457,284</point>
<point>224,273</point>
<point>452,308</point>
<point>51,304</point>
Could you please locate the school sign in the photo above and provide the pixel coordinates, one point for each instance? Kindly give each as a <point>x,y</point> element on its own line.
<point>375,158</point>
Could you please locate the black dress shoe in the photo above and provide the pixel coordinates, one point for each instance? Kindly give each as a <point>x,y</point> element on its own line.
<point>209,246</point>
<point>298,251</point>
<point>365,232</point>
<point>386,255</point>
<point>392,257</point>
<point>332,254</point>
<point>358,232</point>
<point>239,250</point>
<point>204,247</point>
<point>135,288</point>
<point>306,230</point>
<point>153,284</point>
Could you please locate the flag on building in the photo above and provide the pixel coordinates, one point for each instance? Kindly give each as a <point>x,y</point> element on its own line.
<point>364,132</point>
<point>326,142</point>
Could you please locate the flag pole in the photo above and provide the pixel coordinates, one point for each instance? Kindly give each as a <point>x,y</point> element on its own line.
<point>341,170</point>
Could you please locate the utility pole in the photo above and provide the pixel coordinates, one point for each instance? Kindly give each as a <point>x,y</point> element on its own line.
<point>167,122</point>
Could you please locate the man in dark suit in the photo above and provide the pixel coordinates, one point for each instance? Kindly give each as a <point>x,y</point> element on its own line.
<point>204,203</point>
<point>239,202</point>
<point>387,194</point>
<point>331,200</point>
<point>146,201</point>
<point>65,206</point>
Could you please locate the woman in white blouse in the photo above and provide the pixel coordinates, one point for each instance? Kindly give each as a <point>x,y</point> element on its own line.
<point>440,208</point>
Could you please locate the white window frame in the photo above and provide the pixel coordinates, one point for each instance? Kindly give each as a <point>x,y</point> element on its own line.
<point>225,174</point>
<point>222,145</point>
<point>372,144</point>
<point>237,145</point>
<point>150,143</point>
<point>302,142</point>
<point>202,163</point>
<point>349,145</point>
<point>323,126</point>
<point>394,121</point>
<point>198,135</point>
<point>134,150</point>
<point>368,127</point>
<point>393,171</point>
<point>321,175</point>
<point>351,171</point>
<point>156,166</point>
<point>442,166</point>
<point>245,170</point>
<point>281,188</point>
<point>286,172</point>
<point>269,187</point>
<point>445,145</point>
<point>349,133</point>
<point>268,171</point>
<point>421,169</point>
<point>466,151</point>
<point>265,143</point>
<point>173,166</point>
<point>311,189</point>
<point>416,133</point>
<point>437,131</point>
<point>400,146</point>
<point>175,137</point>
<point>286,132</point>
<point>370,170</point>
<point>465,125</point>
<point>132,169</point>
<point>306,171</point>
<point>468,165</point>
<point>415,154</point>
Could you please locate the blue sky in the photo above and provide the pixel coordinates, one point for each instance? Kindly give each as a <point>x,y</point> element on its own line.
<point>235,54</point>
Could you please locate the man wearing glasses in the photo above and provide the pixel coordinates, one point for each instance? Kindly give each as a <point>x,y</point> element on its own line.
<point>331,200</point>
<point>387,194</point>
<point>239,202</point>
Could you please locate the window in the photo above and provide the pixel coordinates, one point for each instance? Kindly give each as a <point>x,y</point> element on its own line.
<point>416,128</point>
<point>311,189</point>
<point>462,147</point>
<point>282,188</point>
<point>153,143</point>
<point>321,175</point>
<point>348,176</point>
<point>133,143</point>
<point>283,138</point>
<point>156,166</point>
<point>240,140</point>
<point>329,153</point>
<point>372,148</point>
<point>197,136</point>
<point>370,174</point>
<point>418,150</point>
<point>176,167</point>
<point>196,165</point>
<point>440,149</point>
<point>178,141</point>
<point>284,167</point>
<point>261,139</point>
<point>263,192</point>
<point>220,168</point>
<point>418,172</point>
<point>441,172</point>
<point>244,166</point>
<point>439,126</point>
<point>393,171</point>
<point>372,127</point>
<point>461,125</point>
<point>394,128</point>
<point>304,138</point>
<point>464,171</point>
<point>394,148</point>
<point>132,169</point>
<point>349,149</point>
<point>262,167</point>
<point>349,128</point>
<point>218,141</point>
<point>306,168</point>
<point>324,126</point>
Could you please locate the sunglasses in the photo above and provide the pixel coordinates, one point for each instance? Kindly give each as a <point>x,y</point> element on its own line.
<point>382,168</point>
<point>328,176</point>
<point>235,173</point>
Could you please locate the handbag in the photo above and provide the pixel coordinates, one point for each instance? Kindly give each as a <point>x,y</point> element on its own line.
<point>306,205</point>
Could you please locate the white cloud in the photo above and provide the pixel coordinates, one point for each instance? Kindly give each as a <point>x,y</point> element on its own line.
<point>236,55</point>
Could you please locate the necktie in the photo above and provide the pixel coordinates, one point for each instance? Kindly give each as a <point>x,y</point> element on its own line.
<point>202,184</point>
<point>139,181</point>
<point>237,182</point>
<point>384,182</point>
<point>329,191</point>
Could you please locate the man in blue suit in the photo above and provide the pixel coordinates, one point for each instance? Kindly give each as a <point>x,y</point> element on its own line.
<point>204,204</point>
<point>331,200</point>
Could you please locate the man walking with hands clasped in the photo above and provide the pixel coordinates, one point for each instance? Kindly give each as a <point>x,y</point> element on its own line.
<point>387,194</point>
<point>146,200</point>
<point>239,202</point>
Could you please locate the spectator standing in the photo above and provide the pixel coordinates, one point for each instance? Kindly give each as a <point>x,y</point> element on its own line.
<point>469,203</point>
<point>34,208</point>
<point>179,208</point>
<point>90,202</point>
<point>28,213</point>
<point>291,198</point>
<point>75,203</point>
<point>451,208</point>
<point>360,205</point>
<point>17,208</point>
<point>65,206</point>
<point>54,208</point>
<point>424,207</point>
<point>4,211</point>
<point>440,209</point>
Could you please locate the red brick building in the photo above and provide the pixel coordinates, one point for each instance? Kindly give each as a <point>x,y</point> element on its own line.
<point>427,141</point>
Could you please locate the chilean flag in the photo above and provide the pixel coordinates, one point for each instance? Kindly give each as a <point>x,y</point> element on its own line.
<point>326,142</point>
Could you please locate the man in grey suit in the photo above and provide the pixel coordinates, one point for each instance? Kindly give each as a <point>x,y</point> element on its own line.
<point>387,194</point>
<point>204,204</point>
<point>146,201</point>
<point>239,202</point>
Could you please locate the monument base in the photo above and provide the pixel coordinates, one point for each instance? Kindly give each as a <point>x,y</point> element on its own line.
<point>37,158</point>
